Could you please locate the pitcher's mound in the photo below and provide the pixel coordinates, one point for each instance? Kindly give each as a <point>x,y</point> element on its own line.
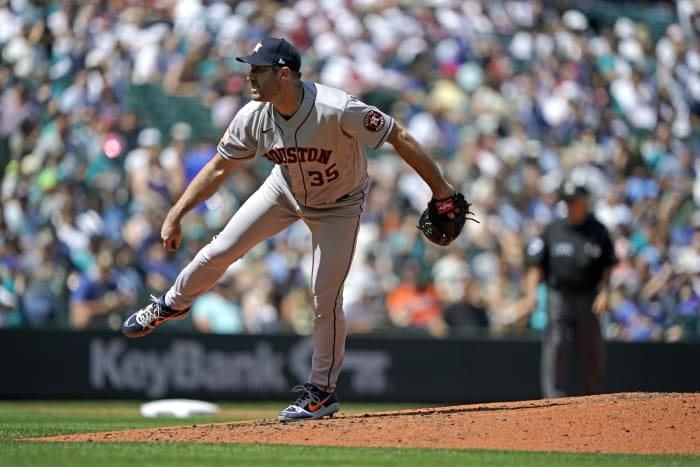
<point>653,423</point>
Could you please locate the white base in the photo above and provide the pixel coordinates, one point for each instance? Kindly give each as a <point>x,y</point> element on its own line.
<point>179,408</point>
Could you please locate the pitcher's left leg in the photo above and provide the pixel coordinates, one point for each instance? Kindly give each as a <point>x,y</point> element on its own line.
<point>333,241</point>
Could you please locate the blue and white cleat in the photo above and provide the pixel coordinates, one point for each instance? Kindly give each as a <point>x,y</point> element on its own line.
<point>147,318</point>
<point>312,404</point>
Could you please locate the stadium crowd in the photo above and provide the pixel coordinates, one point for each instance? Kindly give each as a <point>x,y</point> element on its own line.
<point>108,108</point>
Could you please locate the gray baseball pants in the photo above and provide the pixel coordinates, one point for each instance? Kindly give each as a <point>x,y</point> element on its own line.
<point>268,211</point>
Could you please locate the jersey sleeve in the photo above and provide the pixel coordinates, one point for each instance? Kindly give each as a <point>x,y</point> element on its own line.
<point>368,124</point>
<point>536,252</point>
<point>609,256</point>
<point>238,142</point>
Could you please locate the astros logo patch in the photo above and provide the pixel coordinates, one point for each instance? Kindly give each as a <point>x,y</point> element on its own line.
<point>374,121</point>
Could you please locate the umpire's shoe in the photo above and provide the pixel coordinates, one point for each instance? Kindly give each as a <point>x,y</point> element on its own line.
<point>311,404</point>
<point>143,321</point>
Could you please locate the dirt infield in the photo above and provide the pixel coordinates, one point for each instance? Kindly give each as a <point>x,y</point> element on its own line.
<point>649,423</point>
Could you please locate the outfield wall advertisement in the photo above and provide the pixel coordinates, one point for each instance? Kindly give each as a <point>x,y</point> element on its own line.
<point>44,364</point>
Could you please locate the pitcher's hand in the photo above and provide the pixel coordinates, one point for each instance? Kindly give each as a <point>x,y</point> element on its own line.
<point>171,234</point>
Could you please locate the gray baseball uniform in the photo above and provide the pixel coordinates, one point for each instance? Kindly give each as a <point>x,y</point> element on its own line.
<point>320,176</point>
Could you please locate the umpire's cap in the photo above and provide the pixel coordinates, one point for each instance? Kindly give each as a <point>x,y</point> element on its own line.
<point>274,52</point>
<point>570,191</point>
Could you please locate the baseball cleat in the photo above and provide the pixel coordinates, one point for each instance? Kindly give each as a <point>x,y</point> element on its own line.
<point>143,321</point>
<point>312,404</point>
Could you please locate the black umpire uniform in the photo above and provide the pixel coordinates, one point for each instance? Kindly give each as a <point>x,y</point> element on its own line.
<point>573,256</point>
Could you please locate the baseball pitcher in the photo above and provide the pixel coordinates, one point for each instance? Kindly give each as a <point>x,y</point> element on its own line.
<point>316,137</point>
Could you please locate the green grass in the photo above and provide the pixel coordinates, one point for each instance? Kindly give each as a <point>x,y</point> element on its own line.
<point>33,419</point>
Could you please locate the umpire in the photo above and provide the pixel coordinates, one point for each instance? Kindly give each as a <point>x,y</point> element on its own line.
<point>573,257</point>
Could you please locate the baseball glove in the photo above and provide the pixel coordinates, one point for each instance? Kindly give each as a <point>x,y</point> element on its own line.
<point>443,219</point>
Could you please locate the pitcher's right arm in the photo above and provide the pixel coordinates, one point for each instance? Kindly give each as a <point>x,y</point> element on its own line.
<point>203,186</point>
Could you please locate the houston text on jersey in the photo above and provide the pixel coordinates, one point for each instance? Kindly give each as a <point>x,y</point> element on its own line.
<point>298,154</point>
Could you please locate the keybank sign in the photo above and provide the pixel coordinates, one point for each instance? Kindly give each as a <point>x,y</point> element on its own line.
<point>187,366</point>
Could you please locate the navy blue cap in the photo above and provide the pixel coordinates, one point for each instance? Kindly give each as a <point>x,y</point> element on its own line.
<point>274,52</point>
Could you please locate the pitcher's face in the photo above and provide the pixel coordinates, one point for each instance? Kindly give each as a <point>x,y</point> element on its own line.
<point>264,82</point>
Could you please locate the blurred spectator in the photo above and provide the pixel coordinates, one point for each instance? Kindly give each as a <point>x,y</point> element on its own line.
<point>463,308</point>
<point>97,302</point>
<point>413,303</point>
<point>158,265</point>
<point>366,287</point>
<point>261,317</point>
<point>150,183</point>
<point>44,285</point>
<point>128,274</point>
<point>16,121</point>
<point>217,312</point>
<point>295,312</point>
<point>511,97</point>
<point>194,160</point>
<point>172,159</point>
